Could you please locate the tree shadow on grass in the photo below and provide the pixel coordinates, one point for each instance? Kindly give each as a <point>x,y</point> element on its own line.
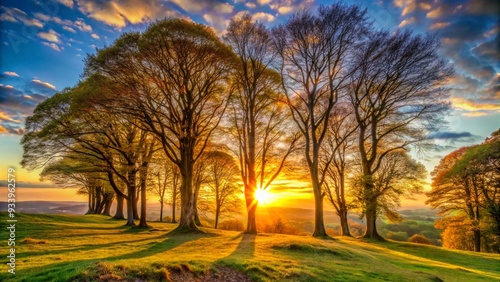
<point>63,271</point>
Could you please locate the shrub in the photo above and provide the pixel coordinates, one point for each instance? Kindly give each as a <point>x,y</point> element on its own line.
<point>279,226</point>
<point>420,239</point>
<point>231,224</point>
<point>167,219</point>
<point>397,236</point>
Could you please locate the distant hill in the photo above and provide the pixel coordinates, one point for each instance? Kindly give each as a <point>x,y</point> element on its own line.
<point>48,207</point>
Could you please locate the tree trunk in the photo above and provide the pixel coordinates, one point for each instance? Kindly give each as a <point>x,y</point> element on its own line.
<point>319,225</point>
<point>161,210</point>
<point>134,206</point>
<point>98,201</point>
<point>107,205</point>
<point>92,201</point>
<point>344,226</point>
<point>131,202</point>
<point>174,204</point>
<point>477,239</point>
<point>89,211</point>
<point>188,208</point>
<point>144,171</point>
<point>119,207</point>
<point>217,211</point>
<point>195,199</point>
<point>130,213</point>
<point>370,207</point>
<point>252,218</point>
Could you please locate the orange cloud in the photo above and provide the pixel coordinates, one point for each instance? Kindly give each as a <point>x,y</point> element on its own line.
<point>474,109</point>
<point>439,25</point>
<point>118,13</point>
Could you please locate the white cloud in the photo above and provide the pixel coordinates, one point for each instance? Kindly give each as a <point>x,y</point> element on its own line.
<point>53,46</point>
<point>68,3</point>
<point>50,36</point>
<point>81,25</point>
<point>263,2</point>
<point>16,15</point>
<point>197,6</point>
<point>67,28</point>
<point>45,84</point>
<point>218,23</point>
<point>264,17</point>
<point>285,10</point>
<point>95,36</point>
<point>250,5</point>
<point>11,73</point>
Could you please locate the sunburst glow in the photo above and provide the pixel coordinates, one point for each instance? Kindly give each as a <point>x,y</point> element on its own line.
<point>262,196</point>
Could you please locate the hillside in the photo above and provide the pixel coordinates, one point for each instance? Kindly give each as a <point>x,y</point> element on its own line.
<point>90,248</point>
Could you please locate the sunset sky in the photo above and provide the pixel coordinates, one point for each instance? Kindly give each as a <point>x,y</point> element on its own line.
<point>43,44</point>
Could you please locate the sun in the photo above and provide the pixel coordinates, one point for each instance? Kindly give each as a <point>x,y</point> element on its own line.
<point>262,196</point>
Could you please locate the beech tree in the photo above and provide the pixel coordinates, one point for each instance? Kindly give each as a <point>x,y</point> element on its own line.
<point>175,79</point>
<point>258,117</point>
<point>315,51</point>
<point>79,172</point>
<point>397,97</point>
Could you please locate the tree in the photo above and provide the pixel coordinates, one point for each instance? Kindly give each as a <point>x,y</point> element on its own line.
<point>452,192</point>
<point>174,78</point>
<point>397,96</point>
<point>467,181</point>
<point>161,179</point>
<point>339,148</point>
<point>258,117</point>
<point>398,176</point>
<point>86,173</point>
<point>222,184</point>
<point>315,50</point>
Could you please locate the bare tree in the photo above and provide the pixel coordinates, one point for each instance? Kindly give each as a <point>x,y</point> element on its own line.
<point>258,117</point>
<point>315,50</point>
<point>338,152</point>
<point>223,189</point>
<point>397,98</point>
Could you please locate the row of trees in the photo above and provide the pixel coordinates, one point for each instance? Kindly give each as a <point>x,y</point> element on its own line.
<point>466,189</point>
<point>324,89</point>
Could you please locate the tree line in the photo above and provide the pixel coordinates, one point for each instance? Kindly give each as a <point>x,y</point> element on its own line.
<point>325,91</point>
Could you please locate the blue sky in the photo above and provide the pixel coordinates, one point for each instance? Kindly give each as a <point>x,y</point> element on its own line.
<point>43,44</point>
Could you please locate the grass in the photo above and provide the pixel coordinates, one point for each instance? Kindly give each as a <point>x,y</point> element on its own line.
<point>93,247</point>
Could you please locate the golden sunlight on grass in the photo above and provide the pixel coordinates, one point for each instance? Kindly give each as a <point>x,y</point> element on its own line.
<point>97,248</point>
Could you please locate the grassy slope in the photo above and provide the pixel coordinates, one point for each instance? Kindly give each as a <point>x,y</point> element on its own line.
<point>74,246</point>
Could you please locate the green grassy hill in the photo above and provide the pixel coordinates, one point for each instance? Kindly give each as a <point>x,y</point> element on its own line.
<point>96,248</point>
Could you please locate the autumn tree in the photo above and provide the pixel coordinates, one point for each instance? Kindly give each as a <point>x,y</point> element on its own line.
<point>315,51</point>
<point>258,118</point>
<point>466,184</point>
<point>397,96</point>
